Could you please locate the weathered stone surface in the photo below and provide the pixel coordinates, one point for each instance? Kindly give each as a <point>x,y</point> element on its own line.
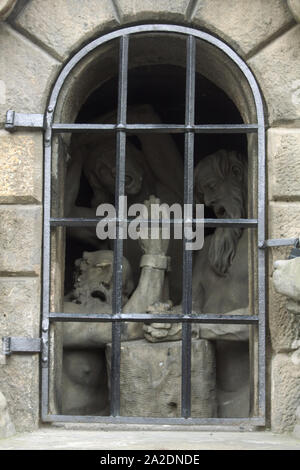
<point>148,9</point>
<point>284,219</point>
<point>284,326</point>
<point>223,17</point>
<point>6,7</point>
<point>26,74</point>
<point>284,222</point>
<point>7,428</point>
<point>20,316</point>
<point>285,396</point>
<point>294,6</point>
<point>20,239</point>
<point>286,278</point>
<point>150,378</point>
<point>19,380</point>
<point>277,70</point>
<point>284,163</point>
<point>78,22</point>
<point>21,167</point>
<point>84,383</point>
<point>296,432</point>
<point>19,306</point>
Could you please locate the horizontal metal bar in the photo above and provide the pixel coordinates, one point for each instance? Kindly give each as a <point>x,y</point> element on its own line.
<point>279,242</point>
<point>254,421</point>
<point>12,344</point>
<point>23,120</point>
<point>156,128</point>
<point>159,317</point>
<point>78,222</point>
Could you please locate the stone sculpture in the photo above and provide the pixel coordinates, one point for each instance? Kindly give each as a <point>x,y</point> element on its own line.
<point>220,279</point>
<point>286,280</point>
<point>93,294</point>
<point>153,166</point>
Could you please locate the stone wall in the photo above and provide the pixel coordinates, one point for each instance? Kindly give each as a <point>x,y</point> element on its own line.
<point>35,39</point>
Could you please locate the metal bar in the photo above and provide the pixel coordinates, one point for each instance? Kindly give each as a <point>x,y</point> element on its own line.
<point>118,246</point>
<point>46,261</point>
<point>261,261</point>
<point>23,121</point>
<point>13,344</point>
<point>275,242</point>
<point>157,128</point>
<point>159,317</point>
<point>188,204</point>
<point>79,222</point>
<point>254,421</point>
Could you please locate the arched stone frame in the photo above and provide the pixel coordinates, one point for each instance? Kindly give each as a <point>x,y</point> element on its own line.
<point>240,85</point>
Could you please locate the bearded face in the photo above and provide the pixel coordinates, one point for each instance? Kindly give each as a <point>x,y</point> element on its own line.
<point>220,182</point>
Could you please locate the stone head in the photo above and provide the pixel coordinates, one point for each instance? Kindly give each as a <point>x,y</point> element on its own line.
<point>221,184</point>
<point>94,277</point>
<point>100,167</point>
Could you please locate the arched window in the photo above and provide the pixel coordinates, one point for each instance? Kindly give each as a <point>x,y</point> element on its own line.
<point>192,121</point>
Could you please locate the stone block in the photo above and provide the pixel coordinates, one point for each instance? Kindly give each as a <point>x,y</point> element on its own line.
<point>26,74</point>
<point>19,306</point>
<point>137,10</point>
<point>63,26</point>
<point>150,378</point>
<point>284,222</point>
<point>284,326</point>
<point>21,167</point>
<point>19,376</point>
<point>277,70</point>
<point>20,239</point>
<point>223,17</point>
<point>19,380</point>
<point>284,219</point>
<point>285,397</point>
<point>7,428</point>
<point>284,163</point>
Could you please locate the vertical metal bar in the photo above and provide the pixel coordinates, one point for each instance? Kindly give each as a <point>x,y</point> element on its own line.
<point>46,266</point>
<point>261,266</point>
<point>187,255</point>
<point>118,246</point>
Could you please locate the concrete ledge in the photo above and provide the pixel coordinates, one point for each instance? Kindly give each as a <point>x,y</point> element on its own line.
<point>50,438</point>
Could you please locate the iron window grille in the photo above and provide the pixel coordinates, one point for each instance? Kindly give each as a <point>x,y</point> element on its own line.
<point>121,129</point>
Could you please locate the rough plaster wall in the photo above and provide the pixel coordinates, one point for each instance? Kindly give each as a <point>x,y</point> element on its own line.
<point>34,43</point>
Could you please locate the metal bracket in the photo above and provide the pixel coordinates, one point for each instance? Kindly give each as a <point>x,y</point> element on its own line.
<point>276,242</point>
<point>12,344</point>
<point>23,121</point>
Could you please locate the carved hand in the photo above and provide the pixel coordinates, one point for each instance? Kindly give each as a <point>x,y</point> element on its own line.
<point>149,245</point>
<point>157,332</point>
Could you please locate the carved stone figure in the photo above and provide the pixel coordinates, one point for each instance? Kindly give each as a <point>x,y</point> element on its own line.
<point>220,279</point>
<point>153,165</point>
<point>286,280</point>
<point>93,294</point>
